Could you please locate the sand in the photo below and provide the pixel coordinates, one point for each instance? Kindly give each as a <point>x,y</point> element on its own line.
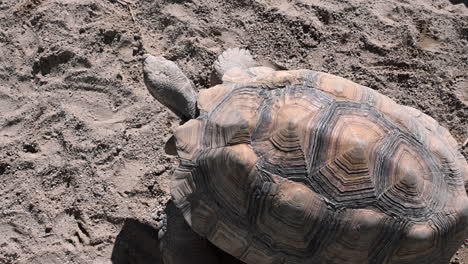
<point>83,174</point>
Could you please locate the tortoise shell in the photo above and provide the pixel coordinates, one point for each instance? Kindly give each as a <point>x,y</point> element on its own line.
<point>306,167</point>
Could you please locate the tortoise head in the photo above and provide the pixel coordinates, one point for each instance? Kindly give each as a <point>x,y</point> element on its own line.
<point>170,86</point>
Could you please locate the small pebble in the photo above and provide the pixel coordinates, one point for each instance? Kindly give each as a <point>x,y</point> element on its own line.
<point>155,216</point>
<point>160,169</point>
<point>159,224</point>
<point>161,233</point>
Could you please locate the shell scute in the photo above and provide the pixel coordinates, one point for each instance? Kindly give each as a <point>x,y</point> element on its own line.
<point>296,217</point>
<point>229,170</point>
<point>233,120</point>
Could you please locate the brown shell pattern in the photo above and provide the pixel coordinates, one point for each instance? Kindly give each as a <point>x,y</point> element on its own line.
<point>307,167</point>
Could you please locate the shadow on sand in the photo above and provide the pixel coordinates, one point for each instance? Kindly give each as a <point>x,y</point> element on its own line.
<point>137,243</point>
<point>456,2</point>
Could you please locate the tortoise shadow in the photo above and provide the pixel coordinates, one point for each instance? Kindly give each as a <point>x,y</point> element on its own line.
<point>137,243</point>
<point>456,2</point>
<point>193,249</point>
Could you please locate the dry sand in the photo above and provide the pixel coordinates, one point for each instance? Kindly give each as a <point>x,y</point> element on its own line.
<point>82,168</point>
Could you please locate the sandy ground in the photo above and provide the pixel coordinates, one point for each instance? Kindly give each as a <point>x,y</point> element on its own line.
<point>83,174</point>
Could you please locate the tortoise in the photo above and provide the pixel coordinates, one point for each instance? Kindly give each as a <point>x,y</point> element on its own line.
<point>299,166</point>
